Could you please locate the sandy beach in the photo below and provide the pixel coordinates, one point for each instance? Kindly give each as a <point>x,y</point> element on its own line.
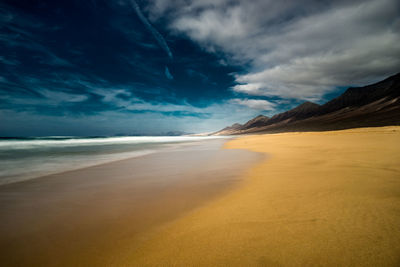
<point>313,199</point>
<point>88,217</point>
<point>199,133</point>
<point>320,199</point>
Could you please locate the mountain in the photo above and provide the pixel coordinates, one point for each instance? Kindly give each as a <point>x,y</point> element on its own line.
<point>361,96</point>
<point>260,120</point>
<point>369,106</point>
<point>302,111</point>
<point>233,127</point>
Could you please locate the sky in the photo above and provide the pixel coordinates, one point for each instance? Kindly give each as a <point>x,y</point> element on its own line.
<point>107,67</point>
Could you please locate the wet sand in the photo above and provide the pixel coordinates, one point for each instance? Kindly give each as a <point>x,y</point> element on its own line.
<point>320,199</point>
<point>98,215</point>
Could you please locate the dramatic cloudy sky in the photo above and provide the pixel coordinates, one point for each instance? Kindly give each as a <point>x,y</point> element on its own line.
<point>103,67</point>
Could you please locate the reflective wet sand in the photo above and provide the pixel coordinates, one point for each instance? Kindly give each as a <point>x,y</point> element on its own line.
<point>93,216</point>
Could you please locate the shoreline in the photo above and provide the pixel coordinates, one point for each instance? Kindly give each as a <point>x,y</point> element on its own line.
<point>322,198</point>
<point>68,155</point>
<point>317,198</point>
<point>86,216</point>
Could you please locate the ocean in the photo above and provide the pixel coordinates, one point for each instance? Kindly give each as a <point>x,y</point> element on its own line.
<point>28,158</point>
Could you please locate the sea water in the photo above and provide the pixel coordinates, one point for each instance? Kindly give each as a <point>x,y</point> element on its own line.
<point>27,158</point>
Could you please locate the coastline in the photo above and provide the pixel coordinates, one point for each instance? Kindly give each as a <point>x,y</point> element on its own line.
<point>318,198</point>
<point>31,158</point>
<point>322,198</point>
<point>88,216</point>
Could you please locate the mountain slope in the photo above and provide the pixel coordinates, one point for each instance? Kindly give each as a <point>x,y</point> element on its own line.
<point>373,105</point>
<point>260,120</point>
<point>302,111</point>
<point>360,96</point>
<point>233,127</point>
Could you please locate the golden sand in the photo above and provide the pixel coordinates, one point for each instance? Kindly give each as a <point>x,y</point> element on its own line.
<point>319,199</point>
<point>88,217</point>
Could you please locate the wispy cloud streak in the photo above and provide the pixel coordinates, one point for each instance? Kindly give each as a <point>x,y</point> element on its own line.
<point>168,74</point>
<point>159,38</point>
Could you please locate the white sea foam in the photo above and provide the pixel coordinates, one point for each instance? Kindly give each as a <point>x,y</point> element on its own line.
<point>30,158</point>
<point>65,141</point>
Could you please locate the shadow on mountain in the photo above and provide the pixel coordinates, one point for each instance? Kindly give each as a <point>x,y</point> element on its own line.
<point>369,106</point>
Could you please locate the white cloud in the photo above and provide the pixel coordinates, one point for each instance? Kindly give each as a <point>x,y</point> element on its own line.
<point>298,49</point>
<point>59,97</point>
<point>257,104</point>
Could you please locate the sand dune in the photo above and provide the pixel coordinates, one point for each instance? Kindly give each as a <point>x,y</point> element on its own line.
<point>320,199</point>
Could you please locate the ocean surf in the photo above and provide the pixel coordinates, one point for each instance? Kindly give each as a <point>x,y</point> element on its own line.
<point>28,158</point>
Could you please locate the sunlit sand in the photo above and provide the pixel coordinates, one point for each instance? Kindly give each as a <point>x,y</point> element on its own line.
<point>322,198</point>
<point>314,199</point>
<point>92,216</point>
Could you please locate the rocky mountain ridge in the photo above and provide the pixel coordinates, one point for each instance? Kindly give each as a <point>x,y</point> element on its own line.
<point>368,106</point>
